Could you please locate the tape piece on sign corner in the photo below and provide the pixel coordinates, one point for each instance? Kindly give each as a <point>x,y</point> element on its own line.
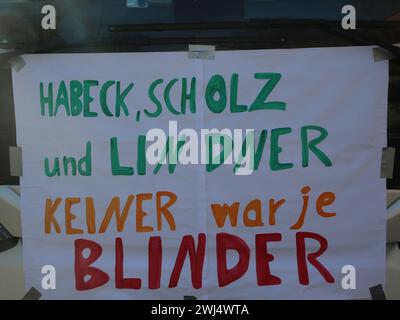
<point>377,292</point>
<point>15,161</point>
<point>32,294</point>
<point>17,63</point>
<point>381,54</point>
<point>201,52</point>
<point>387,162</point>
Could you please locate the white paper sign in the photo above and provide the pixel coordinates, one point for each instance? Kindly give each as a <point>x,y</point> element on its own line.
<point>294,203</point>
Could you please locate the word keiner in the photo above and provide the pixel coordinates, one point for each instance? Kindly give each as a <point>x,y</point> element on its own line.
<point>196,253</point>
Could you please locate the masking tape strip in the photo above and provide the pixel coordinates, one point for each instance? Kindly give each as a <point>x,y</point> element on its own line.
<point>32,294</point>
<point>17,63</point>
<point>377,292</point>
<point>201,52</point>
<point>387,162</point>
<point>381,54</point>
<point>15,161</point>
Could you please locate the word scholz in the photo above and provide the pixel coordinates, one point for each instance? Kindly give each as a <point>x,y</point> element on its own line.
<point>75,98</point>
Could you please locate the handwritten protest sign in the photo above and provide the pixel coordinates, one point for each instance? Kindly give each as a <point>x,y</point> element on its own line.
<point>251,176</point>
